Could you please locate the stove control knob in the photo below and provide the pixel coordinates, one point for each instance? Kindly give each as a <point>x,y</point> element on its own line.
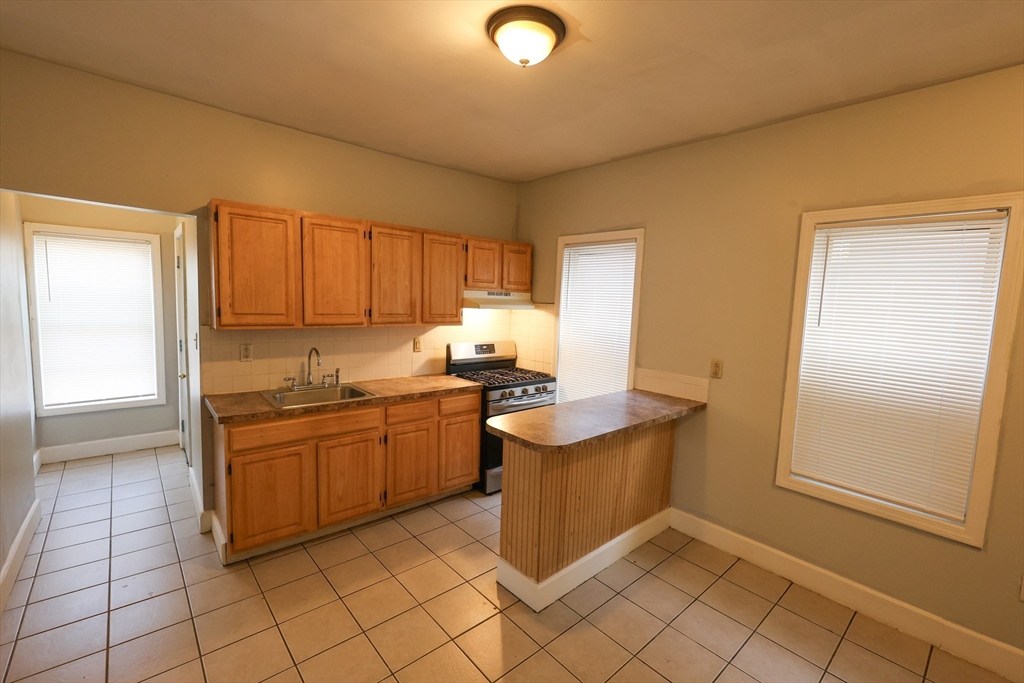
<point>525,391</point>
<point>544,388</point>
<point>504,394</point>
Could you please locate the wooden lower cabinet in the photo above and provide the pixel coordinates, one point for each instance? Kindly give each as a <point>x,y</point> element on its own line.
<point>412,462</point>
<point>458,451</point>
<point>350,477</point>
<point>286,477</point>
<point>273,495</point>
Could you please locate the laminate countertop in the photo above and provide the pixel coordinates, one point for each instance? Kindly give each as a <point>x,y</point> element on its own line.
<point>567,426</point>
<point>251,405</point>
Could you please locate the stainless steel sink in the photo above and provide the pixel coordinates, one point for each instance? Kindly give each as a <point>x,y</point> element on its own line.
<point>299,398</point>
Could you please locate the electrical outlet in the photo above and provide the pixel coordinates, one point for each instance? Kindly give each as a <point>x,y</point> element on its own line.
<point>245,353</point>
<point>1022,589</point>
<point>417,344</point>
<point>716,368</point>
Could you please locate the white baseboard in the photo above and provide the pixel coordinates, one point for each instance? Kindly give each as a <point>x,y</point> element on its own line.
<point>36,463</point>
<point>987,652</point>
<point>19,548</point>
<point>220,538</point>
<point>540,595</point>
<point>120,444</point>
<point>671,384</point>
<point>204,516</point>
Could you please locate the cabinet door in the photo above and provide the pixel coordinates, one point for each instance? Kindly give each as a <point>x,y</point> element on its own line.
<point>443,264</point>
<point>516,266</point>
<point>273,495</point>
<point>335,273</point>
<point>412,462</point>
<point>258,266</point>
<point>350,477</point>
<point>459,451</point>
<point>483,264</point>
<point>397,260</point>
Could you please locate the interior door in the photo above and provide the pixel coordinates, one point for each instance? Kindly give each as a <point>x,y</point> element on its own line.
<point>350,473</point>
<point>397,258</point>
<point>180,297</point>
<point>443,268</point>
<point>335,273</point>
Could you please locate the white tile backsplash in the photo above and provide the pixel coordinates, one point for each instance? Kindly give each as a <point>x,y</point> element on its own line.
<point>359,353</point>
<point>533,331</point>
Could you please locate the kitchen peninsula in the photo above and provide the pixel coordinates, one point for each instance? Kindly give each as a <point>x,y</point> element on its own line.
<point>585,482</point>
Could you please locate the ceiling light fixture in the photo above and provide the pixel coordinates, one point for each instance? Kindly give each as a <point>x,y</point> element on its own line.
<point>524,34</point>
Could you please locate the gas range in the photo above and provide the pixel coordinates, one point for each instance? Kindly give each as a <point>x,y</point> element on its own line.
<point>507,389</point>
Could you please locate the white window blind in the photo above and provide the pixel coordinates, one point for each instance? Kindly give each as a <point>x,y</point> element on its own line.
<point>595,319</point>
<point>95,320</point>
<point>895,353</point>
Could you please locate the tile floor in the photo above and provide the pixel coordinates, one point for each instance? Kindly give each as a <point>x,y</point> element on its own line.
<point>120,585</point>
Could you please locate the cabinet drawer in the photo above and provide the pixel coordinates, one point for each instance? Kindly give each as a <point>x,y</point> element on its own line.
<point>301,429</point>
<point>457,405</point>
<point>410,412</point>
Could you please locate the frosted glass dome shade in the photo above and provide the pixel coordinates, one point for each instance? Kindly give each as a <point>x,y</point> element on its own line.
<point>525,42</point>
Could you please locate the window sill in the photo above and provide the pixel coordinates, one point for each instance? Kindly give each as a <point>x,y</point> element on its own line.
<point>103,406</point>
<point>968,533</point>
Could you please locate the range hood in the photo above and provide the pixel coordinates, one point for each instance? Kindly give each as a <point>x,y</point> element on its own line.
<point>478,298</point>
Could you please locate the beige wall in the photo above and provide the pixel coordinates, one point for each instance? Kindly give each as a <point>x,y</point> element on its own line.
<point>70,134</point>
<point>58,430</point>
<point>721,220</point>
<point>17,406</point>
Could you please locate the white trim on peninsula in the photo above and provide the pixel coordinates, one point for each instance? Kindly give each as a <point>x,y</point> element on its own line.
<point>540,595</point>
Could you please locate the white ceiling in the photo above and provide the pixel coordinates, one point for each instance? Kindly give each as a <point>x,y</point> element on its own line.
<point>420,79</point>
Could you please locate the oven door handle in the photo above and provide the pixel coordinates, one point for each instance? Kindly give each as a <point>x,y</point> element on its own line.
<point>518,405</point>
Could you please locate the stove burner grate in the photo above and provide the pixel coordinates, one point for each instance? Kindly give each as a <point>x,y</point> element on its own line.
<point>503,376</point>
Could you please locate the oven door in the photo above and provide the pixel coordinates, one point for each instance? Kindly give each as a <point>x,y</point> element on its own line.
<point>513,405</point>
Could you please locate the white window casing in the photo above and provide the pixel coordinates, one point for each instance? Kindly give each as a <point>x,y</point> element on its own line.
<point>597,307</point>
<point>96,314</point>
<point>902,329</point>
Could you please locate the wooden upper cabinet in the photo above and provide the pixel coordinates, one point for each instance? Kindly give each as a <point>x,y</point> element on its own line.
<point>335,271</point>
<point>483,264</point>
<point>443,268</point>
<point>397,257</point>
<point>516,266</point>
<point>273,495</point>
<point>350,477</point>
<point>257,266</point>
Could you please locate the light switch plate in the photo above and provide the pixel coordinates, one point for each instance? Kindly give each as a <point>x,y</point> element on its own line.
<point>245,353</point>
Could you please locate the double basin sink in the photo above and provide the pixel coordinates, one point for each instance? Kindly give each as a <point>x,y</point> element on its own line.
<point>303,396</point>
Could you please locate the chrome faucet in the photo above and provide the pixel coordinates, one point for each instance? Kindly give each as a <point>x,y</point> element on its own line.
<point>309,364</point>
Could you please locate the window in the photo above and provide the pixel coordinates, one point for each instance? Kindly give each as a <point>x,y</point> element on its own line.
<point>597,312</point>
<point>898,359</point>
<point>97,326</point>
